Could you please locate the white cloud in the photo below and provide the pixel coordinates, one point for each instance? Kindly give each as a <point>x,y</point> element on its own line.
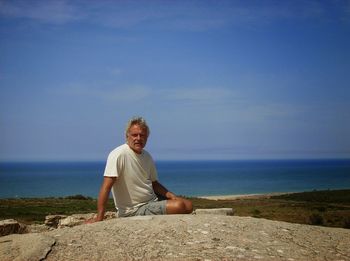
<point>346,16</point>
<point>116,71</point>
<point>127,94</point>
<point>197,95</point>
<point>265,112</point>
<point>184,15</point>
<point>197,15</point>
<point>115,92</point>
<point>121,94</point>
<point>56,12</point>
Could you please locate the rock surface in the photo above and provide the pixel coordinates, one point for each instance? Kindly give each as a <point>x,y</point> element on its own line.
<point>215,211</point>
<point>60,221</point>
<point>184,237</point>
<point>53,220</point>
<point>29,247</point>
<point>11,226</point>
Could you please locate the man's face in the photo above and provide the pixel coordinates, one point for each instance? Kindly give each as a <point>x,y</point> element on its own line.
<point>137,138</point>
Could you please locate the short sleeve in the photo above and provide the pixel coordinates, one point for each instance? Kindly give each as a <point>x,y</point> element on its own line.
<point>153,172</point>
<point>114,165</point>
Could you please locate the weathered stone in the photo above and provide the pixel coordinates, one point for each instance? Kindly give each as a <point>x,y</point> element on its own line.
<point>11,226</point>
<point>28,247</point>
<point>110,214</point>
<point>214,211</point>
<point>60,221</point>
<point>200,237</point>
<point>74,220</point>
<point>38,228</point>
<point>79,219</point>
<point>182,237</point>
<point>53,220</point>
<point>141,218</point>
<point>70,222</point>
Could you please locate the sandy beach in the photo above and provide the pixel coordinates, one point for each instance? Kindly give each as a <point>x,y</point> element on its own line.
<point>244,196</point>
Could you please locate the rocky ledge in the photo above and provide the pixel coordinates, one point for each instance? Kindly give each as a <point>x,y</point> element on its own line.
<point>181,237</point>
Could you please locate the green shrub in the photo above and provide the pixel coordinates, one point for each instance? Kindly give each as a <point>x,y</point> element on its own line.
<point>321,209</point>
<point>316,219</point>
<point>346,222</point>
<point>256,213</point>
<point>79,197</point>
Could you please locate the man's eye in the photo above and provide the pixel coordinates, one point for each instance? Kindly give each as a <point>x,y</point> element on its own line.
<point>136,135</point>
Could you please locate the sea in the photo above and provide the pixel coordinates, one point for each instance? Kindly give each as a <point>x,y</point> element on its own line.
<point>187,178</point>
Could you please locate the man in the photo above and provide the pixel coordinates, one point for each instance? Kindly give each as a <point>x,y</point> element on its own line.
<point>132,176</point>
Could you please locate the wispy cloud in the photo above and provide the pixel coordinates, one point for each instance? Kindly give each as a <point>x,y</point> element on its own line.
<point>121,94</point>
<point>138,92</point>
<point>265,112</point>
<point>56,12</point>
<point>184,15</point>
<point>202,95</point>
<point>213,100</point>
<point>346,16</point>
<point>116,71</point>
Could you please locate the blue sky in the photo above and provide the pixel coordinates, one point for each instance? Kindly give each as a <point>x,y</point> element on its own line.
<point>214,79</point>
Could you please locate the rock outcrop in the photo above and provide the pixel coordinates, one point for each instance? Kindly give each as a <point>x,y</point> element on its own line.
<point>11,226</point>
<point>26,247</point>
<point>214,211</point>
<point>60,221</point>
<point>182,237</point>
<point>53,220</point>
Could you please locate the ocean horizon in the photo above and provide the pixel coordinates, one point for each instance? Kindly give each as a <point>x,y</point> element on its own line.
<point>188,178</point>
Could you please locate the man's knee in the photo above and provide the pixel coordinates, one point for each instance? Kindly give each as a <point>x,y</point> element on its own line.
<point>189,206</point>
<point>179,206</point>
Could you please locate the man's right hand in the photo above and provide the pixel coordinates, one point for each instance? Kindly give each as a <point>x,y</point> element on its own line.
<point>102,199</point>
<point>92,220</point>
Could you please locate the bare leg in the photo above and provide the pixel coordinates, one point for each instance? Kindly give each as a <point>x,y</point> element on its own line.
<point>179,205</point>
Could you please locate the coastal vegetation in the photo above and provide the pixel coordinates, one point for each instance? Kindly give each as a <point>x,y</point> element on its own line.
<point>327,208</point>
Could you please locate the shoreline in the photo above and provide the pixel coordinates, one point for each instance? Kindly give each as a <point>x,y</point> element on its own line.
<point>266,195</point>
<point>245,196</point>
<point>210,197</point>
<point>327,207</point>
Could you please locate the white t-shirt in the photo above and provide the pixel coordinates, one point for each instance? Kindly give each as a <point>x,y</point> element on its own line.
<point>135,174</point>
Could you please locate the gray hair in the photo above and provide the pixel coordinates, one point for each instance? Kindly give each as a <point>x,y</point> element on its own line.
<point>137,121</point>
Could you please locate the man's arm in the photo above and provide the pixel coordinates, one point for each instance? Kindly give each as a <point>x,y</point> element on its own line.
<point>161,190</point>
<point>103,197</point>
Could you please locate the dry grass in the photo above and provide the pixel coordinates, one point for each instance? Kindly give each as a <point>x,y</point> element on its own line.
<point>328,208</point>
